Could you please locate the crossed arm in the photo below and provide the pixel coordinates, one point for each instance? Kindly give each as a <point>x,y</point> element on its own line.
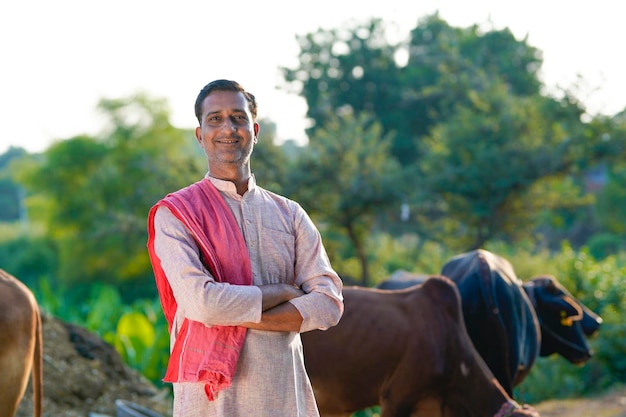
<point>278,315</point>
<point>178,253</point>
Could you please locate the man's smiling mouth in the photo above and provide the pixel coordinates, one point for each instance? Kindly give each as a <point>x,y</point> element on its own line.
<point>228,141</point>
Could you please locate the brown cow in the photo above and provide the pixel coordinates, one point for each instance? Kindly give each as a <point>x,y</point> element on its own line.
<point>407,351</point>
<point>21,349</point>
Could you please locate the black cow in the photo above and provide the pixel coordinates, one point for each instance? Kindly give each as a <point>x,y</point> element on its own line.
<point>558,332</point>
<point>512,323</point>
<point>407,351</point>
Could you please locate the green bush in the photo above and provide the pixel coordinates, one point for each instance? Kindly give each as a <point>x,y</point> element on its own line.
<point>600,285</point>
<point>602,245</point>
<point>138,331</point>
<point>26,256</point>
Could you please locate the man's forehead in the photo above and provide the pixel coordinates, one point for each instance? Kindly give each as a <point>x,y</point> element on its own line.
<point>225,100</point>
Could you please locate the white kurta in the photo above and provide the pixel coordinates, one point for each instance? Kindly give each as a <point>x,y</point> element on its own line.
<point>284,246</point>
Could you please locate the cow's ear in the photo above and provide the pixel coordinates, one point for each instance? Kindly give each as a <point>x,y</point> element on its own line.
<point>552,285</point>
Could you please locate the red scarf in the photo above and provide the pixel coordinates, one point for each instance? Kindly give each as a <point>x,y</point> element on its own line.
<point>201,353</point>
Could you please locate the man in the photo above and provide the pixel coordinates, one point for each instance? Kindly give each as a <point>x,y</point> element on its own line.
<point>241,271</point>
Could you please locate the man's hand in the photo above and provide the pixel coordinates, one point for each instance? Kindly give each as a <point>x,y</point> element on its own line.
<point>275,294</point>
<point>278,315</point>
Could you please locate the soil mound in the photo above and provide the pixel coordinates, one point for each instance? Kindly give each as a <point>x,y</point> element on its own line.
<point>84,376</point>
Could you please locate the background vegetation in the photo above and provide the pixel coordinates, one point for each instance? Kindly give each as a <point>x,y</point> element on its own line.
<point>417,151</point>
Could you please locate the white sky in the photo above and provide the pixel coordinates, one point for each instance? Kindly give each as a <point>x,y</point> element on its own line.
<point>59,57</point>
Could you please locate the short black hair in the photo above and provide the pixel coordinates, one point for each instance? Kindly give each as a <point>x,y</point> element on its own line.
<point>224,85</point>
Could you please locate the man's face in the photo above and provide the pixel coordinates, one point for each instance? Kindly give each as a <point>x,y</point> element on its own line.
<point>227,132</point>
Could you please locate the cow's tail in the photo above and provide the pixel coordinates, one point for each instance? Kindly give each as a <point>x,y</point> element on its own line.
<point>37,369</point>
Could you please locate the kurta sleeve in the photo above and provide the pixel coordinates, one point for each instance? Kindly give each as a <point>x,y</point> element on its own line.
<point>198,295</point>
<point>322,305</point>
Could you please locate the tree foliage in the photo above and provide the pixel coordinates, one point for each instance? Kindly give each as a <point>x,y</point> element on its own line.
<point>99,189</point>
<point>359,69</point>
<point>485,162</point>
<point>269,163</point>
<point>612,197</point>
<point>471,120</point>
<point>350,70</point>
<point>10,192</point>
<point>611,202</point>
<point>347,177</point>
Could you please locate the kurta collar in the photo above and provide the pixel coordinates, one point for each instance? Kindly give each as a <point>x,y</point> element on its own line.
<point>228,186</point>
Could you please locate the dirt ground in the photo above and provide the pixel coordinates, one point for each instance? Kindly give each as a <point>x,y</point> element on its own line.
<point>611,404</point>
<point>83,376</point>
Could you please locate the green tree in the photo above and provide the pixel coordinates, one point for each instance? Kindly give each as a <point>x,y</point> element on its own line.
<point>449,94</point>
<point>611,196</point>
<point>269,163</point>
<point>485,165</point>
<point>99,189</point>
<point>346,177</point>
<point>360,70</point>
<point>347,70</point>
<point>11,193</point>
<point>612,199</point>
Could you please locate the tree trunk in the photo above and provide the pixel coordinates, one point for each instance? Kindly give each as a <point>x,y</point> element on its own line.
<point>359,248</point>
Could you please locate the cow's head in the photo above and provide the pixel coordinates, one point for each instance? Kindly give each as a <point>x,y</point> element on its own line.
<point>564,320</point>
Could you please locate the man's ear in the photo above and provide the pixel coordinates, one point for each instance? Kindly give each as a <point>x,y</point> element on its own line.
<point>199,135</point>
<point>256,132</point>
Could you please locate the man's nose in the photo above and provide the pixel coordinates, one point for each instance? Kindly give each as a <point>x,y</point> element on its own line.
<point>229,124</point>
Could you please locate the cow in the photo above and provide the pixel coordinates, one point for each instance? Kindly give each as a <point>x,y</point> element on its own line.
<point>512,322</point>
<point>407,351</point>
<point>563,333</point>
<point>21,349</point>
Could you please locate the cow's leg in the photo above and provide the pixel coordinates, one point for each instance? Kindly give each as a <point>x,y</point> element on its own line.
<point>16,366</point>
<point>37,366</point>
<point>429,407</point>
<point>18,323</point>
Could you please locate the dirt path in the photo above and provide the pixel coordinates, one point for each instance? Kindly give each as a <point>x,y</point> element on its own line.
<point>611,404</point>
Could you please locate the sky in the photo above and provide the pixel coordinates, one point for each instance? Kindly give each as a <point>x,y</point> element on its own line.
<point>58,58</point>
